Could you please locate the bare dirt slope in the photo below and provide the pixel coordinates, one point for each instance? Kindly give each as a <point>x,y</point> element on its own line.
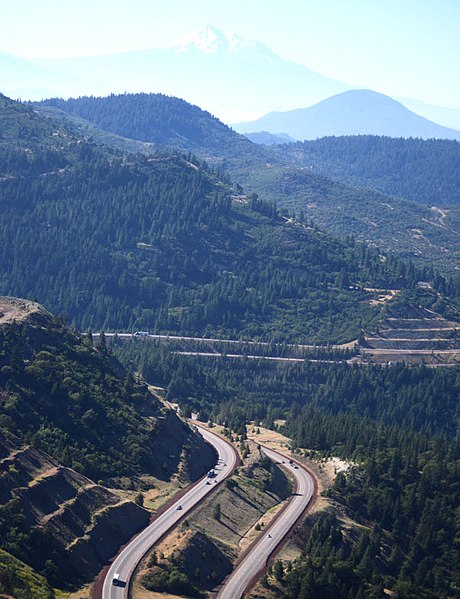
<point>425,337</point>
<point>14,310</point>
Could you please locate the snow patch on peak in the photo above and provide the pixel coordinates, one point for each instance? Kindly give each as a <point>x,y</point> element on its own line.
<point>211,40</point>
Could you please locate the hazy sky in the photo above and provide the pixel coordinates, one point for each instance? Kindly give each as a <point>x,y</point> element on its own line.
<point>402,48</point>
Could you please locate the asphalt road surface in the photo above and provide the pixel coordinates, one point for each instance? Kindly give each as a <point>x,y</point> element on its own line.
<point>258,556</point>
<point>154,337</point>
<point>126,562</point>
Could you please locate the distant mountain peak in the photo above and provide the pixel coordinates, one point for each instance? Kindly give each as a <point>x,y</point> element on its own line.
<point>212,40</point>
<point>353,112</point>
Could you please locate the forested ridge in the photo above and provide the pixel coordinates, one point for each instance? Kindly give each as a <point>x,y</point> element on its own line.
<point>405,491</point>
<point>426,171</point>
<point>118,241</point>
<point>165,121</point>
<point>76,402</point>
<point>378,189</point>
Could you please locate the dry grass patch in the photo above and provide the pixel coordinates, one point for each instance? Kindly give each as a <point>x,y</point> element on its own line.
<point>140,592</point>
<point>156,493</point>
<point>272,439</point>
<point>83,593</point>
<point>252,534</point>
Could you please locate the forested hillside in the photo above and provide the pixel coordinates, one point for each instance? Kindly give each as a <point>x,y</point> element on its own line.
<point>71,415</point>
<point>419,399</point>
<point>135,242</point>
<point>427,235</point>
<point>426,171</point>
<point>405,492</point>
<point>165,121</point>
<point>75,401</point>
<point>299,176</point>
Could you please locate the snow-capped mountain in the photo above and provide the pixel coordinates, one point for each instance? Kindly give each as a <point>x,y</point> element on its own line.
<point>231,77</point>
<point>234,79</point>
<point>211,40</point>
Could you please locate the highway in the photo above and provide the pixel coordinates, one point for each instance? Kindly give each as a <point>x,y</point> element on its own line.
<point>155,337</point>
<point>409,352</point>
<point>257,557</point>
<point>251,357</point>
<point>125,563</point>
<point>363,350</point>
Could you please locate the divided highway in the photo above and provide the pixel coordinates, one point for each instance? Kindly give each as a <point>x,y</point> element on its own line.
<point>256,559</point>
<point>125,563</point>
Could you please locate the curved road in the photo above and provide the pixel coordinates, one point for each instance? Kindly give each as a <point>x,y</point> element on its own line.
<point>258,556</point>
<point>125,563</point>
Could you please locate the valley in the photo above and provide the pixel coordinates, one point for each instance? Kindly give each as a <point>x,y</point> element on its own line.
<point>194,302</point>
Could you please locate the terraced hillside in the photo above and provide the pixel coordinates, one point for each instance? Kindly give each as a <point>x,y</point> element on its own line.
<point>72,524</point>
<point>71,415</point>
<point>429,337</point>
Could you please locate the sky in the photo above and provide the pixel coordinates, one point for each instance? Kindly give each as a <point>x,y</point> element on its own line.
<point>404,48</point>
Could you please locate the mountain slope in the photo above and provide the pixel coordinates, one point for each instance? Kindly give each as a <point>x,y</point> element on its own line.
<point>423,166</point>
<point>425,171</point>
<point>425,234</point>
<point>218,71</point>
<point>160,243</point>
<point>77,403</point>
<point>70,415</point>
<point>17,579</point>
<point>447,117</point>
<point>269,139</point>
<point>165,122</point>
<point>355,112</point>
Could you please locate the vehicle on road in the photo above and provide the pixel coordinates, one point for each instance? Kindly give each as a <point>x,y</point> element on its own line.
<point>141,334</point>
<point>116,579</point>
<point>257,558</point>
<point>128,558</point>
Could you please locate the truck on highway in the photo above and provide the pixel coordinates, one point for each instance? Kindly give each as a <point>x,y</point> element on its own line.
<point>141,334</point>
